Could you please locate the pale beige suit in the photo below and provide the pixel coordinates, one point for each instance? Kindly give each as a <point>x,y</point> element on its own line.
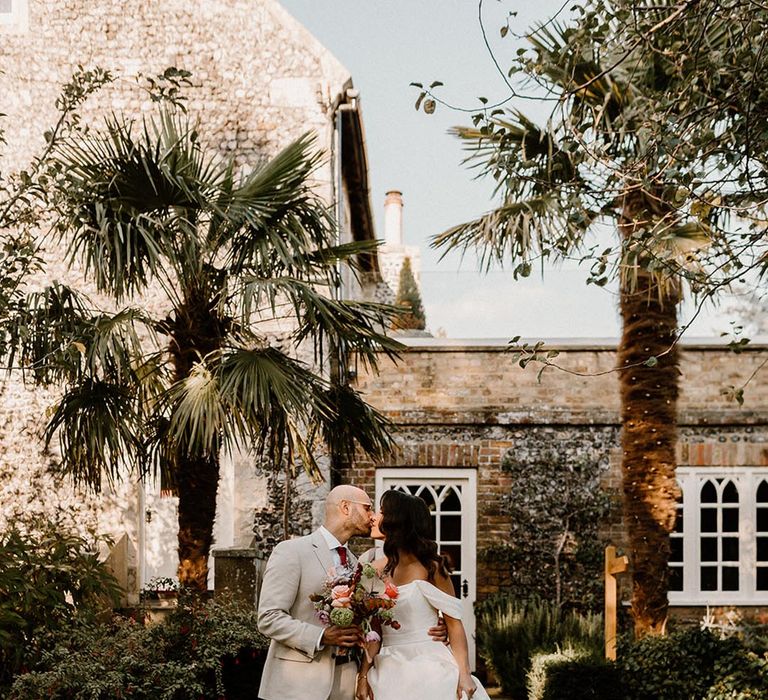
<point>295,669</point>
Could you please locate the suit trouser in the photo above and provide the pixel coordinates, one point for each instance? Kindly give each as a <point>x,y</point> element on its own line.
<point>344,682</point>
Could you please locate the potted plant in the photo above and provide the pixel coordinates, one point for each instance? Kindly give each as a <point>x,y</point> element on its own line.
<point>160,588</point>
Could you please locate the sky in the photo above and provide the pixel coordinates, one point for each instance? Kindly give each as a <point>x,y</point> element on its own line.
<point>386,45</point>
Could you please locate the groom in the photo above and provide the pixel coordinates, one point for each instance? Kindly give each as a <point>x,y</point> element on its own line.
<point>302,663</point>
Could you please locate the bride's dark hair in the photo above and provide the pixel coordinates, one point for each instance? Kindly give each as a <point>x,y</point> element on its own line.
<point>407,527</point>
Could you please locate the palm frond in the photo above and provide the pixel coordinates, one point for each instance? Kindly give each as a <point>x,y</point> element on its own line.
<point>96,424</point>
<point>131,199</point>
<point>43,332</point>
<point>275,217</point>
<point>357,326</point>
<point>353,423</point>
<point>198,413</point>
<point>58,337</point>
<point>518,231</point>
<point>524,159</point>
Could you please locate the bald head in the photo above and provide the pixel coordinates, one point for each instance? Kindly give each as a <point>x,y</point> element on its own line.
<point>345,492</point>
<point>348,512</point>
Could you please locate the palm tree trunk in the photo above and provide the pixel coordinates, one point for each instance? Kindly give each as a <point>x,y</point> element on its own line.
<point>198,481</point>
<point>196,332</point>
<point>649,431</point>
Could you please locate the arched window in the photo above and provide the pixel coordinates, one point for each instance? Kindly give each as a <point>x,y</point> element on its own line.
<point>676,560</point>
<point>761,536</point>
<point>719,546</point>
<point>719,538</point>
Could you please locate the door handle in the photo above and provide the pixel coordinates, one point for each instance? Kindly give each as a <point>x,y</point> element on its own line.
<point>465,588</point>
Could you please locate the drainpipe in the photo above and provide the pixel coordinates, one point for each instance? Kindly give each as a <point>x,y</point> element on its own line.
<point>338,375</point>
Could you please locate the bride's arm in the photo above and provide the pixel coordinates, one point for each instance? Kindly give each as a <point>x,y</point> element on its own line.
<point>457,637</point>
<point>362,689</point>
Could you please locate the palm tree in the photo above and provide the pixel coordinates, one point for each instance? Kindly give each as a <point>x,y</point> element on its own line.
<point>224,258</point>
<point>599,159</point>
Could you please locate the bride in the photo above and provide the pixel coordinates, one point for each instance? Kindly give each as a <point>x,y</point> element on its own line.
<point>407,664</point>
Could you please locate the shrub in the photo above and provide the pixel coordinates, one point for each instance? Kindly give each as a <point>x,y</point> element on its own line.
<point>693,664</point>
<point>48,578</point>
<point>202,650</point>
<point>573,675</point>
<point>540,663</point>
<point>740,676</point>
<point>556,506</point>
<point>510,632</point>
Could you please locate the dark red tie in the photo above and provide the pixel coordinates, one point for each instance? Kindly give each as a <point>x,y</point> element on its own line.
<point>342,555</point>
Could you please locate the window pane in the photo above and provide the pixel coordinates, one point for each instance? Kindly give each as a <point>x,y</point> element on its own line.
<point>762,549</point>
<point>709,549</point>
<point>5,7</point>
<point>708,493</point>
<point>675,578</point>
<point>456,581</point>
<point>453,551</point>
<point>676,545</point>
<point>425,494</point>
<point>730,493</point>
<point>676,549</point>
<point>730,578</point>
<point>762,492</point>
<point>730,519</point>
<point>762,578</point>
<point>708,578</point>
<point>762,520</point>
<point>451,500</point>
<point>708,520</point>
<point>679,520</point>
<point>730,549</point>
<point>450,528</point>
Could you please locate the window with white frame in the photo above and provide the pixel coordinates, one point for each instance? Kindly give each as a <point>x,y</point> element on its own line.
<point>719,549</point>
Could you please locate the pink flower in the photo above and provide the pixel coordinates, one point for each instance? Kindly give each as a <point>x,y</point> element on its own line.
<point>341,596</point>
<point>372,637</point>
<point>323,617</point>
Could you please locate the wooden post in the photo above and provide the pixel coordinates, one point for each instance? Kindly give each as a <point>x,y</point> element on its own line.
<point>613,565</point>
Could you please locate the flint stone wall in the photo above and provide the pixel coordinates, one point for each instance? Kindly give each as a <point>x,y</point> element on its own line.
<point>260,80</point>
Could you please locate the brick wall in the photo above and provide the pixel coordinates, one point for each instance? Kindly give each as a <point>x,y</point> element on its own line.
<point>465,406</point>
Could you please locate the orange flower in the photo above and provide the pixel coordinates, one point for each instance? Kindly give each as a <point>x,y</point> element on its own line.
<point>390,590</point>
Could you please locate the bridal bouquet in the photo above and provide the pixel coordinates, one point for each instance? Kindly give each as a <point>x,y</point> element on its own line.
<point>360,597</point>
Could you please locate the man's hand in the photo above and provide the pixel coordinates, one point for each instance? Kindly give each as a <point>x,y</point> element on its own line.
<point>439,632</point>
<point>342,636</point>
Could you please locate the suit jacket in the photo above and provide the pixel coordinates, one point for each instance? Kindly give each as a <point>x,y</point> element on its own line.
<point>295,669</point>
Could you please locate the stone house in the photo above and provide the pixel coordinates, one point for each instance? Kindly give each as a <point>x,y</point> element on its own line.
<point>259,80</point>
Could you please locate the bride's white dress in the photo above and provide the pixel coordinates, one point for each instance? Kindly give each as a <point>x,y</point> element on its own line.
<point>410,665</point>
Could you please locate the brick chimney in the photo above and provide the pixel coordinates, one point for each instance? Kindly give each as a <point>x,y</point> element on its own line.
<point>393,218</point>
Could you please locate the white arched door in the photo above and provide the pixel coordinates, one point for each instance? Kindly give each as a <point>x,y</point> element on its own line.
<point>452,502</point>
